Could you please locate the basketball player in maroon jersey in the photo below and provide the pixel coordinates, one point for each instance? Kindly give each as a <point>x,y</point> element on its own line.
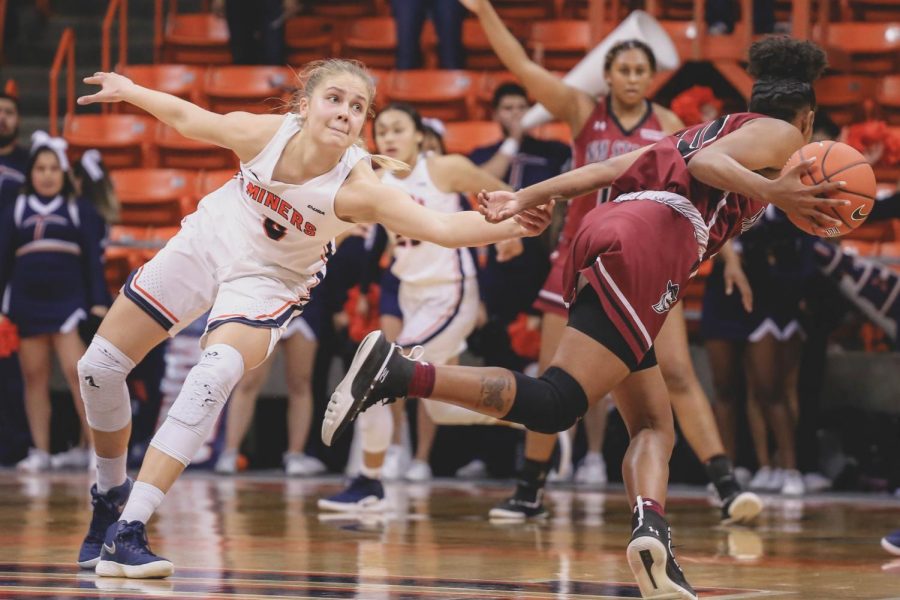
<point>673,205</point>
<point>623,121</point>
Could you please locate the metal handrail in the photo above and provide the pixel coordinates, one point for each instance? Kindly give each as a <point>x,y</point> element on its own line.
<point>65,50</point>
<point>120,7</point>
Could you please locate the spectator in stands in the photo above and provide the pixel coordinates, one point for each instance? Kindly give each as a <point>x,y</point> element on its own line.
<point>520,160</point>
<point>51,257</point>
<point>447,16</point>
<point>13,157</point>
<point>13,162</point>
<point>720,16</point>
<point>256,29</point>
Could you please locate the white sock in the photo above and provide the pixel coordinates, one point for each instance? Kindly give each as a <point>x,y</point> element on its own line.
<point>110,472</point>
<point>142,503</point>
<point>370,472</point>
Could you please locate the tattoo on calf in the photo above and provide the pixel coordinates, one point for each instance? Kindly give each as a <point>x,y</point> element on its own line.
<point>492,389</point>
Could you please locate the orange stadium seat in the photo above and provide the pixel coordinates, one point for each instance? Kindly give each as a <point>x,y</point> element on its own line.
<point>257,89</point>
<point>888,98</point>
<point>559,44</point>
<point>381,78</point>
<point>210,181</point>
<point>843,96</point>
<point>349,8</point>
<point>479,53</point>
<point>310,38</point>
<point>198,39</point>
<point>872,47</point>
<point>525,10</point>
<point>119,262</point>
<point>174,151</point>
<point>464,136</point>
<point>872,231</point>
<point>875,10</point>
<point>555,130</point>
<point>444,94</point>
<point>682,34</point>
<point>154,197</point>
<point>373,40</point>
<point>179,80</point>
<point>122,139</point>
<point>141,237</point>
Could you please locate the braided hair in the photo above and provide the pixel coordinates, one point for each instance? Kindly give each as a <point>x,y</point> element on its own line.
<point>785,70</point>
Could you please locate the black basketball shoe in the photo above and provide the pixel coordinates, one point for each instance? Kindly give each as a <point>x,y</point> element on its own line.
<point>378,373</point>
<point>524,504</point>
<point>651,559</point>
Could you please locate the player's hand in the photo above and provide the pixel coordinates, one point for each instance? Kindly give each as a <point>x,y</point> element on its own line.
<point>534,221</point>
<point>112,86</point>
<point>791,195</point>
<point>509,249</point>
<point>736,278</point>
<point>498,206</point>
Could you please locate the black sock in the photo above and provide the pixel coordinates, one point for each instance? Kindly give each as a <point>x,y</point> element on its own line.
<point>532,479</point>
<point>721,473</point>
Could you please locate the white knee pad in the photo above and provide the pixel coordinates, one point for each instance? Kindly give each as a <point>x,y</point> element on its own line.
<point>101,375</point>
<point>376,426</point>
<point>196,409</point>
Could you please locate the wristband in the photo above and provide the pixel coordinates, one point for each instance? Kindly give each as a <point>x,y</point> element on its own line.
<point>509,147</point>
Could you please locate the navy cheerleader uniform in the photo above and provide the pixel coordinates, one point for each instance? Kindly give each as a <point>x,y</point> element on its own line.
<point>778,260</point>
<point>51,263</point>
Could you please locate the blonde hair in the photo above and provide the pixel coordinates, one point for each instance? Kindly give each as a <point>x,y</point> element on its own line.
<point>316,72</point>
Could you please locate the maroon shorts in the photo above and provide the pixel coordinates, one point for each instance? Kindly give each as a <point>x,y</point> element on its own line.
<point>638,256</point>
<point>551,297</point>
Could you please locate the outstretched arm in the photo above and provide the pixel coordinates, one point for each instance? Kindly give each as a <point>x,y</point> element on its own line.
<point>364,200</point>
<point>565,102</point>
<point>497,206</point>
<point>244,133</point>
<point>457,174</point>
<point>734,163</point>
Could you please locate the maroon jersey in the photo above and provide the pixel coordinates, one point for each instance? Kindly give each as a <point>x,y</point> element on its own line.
<point>604,137</point>
<point>601,137</point>
<point>664,168</point>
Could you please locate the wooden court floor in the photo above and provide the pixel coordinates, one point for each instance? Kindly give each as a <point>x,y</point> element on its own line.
<point>261,536</point>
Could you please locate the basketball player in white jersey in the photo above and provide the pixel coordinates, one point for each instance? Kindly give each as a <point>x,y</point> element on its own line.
<point>250,255</point>
<point>438,290</point>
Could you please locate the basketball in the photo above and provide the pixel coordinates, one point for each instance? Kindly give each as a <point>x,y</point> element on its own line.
<point>836,161</point>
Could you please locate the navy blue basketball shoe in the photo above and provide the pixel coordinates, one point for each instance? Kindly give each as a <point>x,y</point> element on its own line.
<point>107,508</point>
<point>126,553</point>
<point>362,495</point>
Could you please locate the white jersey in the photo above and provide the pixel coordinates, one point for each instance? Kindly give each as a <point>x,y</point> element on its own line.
<point>423,262</point>
<point>287,230</point>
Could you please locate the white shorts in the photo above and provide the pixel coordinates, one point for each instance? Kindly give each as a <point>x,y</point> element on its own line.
<point>202,268</point>
<point>439,317</point>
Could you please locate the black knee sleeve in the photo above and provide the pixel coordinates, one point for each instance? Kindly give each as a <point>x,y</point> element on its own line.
<point>550,404</point>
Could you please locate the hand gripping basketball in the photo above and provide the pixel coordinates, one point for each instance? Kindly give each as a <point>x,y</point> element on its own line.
<point>792,195</point>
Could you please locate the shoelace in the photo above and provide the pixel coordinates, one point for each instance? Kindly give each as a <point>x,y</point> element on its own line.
<point>414,353</point>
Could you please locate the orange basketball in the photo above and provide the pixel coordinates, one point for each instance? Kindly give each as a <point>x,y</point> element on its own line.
<point>836,161</point>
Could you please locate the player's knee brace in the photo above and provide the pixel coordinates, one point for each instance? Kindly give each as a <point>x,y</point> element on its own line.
<point>101,375</point>
<point>377,428</point>
<point>550,404</point>
<point>195,410</point>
